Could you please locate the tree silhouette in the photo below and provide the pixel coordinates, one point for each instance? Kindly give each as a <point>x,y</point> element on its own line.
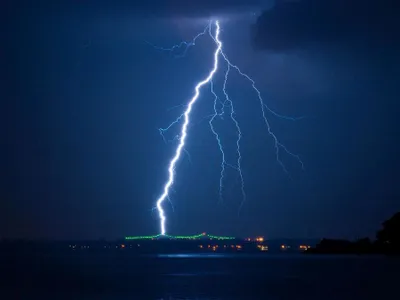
<point>387,241</point>
<point>389,236</point>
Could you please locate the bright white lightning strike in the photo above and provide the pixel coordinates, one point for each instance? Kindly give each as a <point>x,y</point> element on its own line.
<point>186,114</point>
<point>226,103</point>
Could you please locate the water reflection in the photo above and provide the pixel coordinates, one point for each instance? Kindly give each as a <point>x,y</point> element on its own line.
<point>191,298</point>
<point>191,255</point>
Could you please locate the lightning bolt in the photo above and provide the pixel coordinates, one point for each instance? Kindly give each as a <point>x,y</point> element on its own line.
<point>183,44</point>
<point>277,143</point>
<point>221,149</point>
<point>217,137</point>
<point>239,136</point>
<point>185,116</point>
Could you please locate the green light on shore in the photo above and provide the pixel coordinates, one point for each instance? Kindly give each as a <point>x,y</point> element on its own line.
<point>144,237</point>
<point>179,237</point>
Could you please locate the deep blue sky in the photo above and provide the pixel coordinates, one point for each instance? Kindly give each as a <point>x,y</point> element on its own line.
<point>83,96</point>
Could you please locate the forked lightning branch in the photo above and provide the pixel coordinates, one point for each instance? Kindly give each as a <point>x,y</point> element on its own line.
<point>220,58</point>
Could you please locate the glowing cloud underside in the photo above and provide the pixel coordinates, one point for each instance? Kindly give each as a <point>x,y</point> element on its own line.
<point>226,103</point>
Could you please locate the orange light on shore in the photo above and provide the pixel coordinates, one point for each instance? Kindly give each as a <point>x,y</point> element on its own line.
<point>304,247</point>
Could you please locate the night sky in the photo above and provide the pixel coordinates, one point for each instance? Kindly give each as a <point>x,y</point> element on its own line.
<point>83,96</point>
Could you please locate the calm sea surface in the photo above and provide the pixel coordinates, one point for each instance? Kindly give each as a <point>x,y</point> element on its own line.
<point>284,276</point>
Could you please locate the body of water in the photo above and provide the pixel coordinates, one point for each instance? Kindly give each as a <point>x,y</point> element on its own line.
<point>180,276</point>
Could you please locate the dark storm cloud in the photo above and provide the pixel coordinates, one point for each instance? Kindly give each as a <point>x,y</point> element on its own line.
<point>297,24</point>
<point>84,97</point>
<point>178,8</point>
<point>158,8</point>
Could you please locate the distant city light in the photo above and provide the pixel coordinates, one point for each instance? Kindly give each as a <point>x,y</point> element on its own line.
<point>179,237</point>
<point>304,247</point>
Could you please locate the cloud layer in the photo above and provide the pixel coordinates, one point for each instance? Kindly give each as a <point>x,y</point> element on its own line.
<point>297,24</point>
<point>158,8</point>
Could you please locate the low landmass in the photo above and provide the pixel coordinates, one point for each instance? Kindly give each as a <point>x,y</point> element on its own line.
<point>387,242</point>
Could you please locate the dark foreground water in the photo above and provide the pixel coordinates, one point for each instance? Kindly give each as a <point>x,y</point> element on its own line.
<point>119,277</point>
